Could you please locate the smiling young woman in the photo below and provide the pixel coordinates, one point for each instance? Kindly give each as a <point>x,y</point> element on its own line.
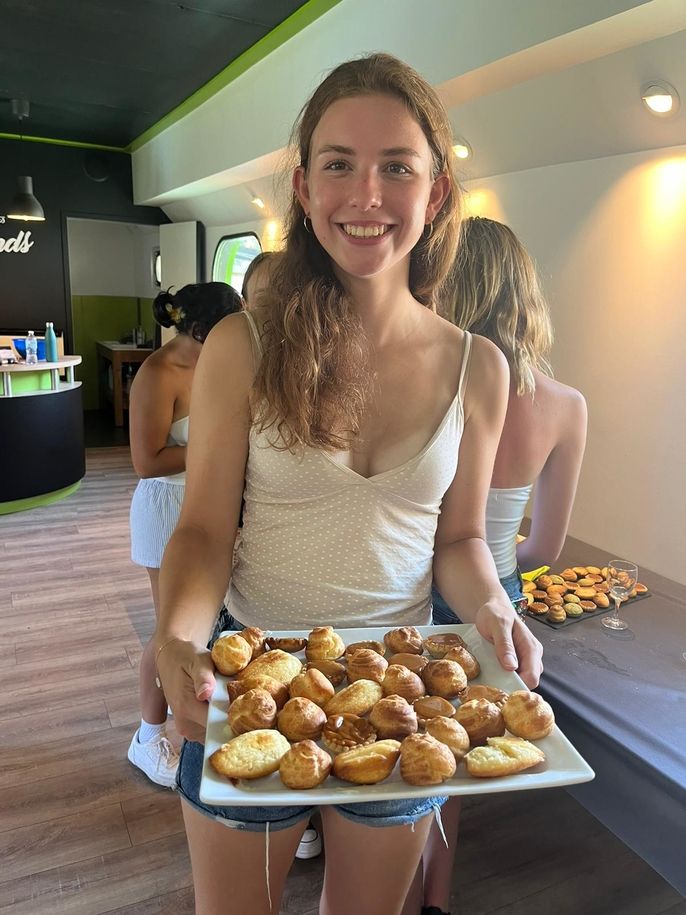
<point>337,411</point>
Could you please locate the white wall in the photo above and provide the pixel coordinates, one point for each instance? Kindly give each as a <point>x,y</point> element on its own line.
<point>111,258</point>
<point>609,236</point>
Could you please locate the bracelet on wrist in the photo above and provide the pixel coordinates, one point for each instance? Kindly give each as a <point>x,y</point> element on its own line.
<point>173,638</point>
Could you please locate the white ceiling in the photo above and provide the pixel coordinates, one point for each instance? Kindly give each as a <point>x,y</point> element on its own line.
<point>572,94</point>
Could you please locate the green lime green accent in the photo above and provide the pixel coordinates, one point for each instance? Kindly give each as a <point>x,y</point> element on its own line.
<point>299,20</point>
<point>25,382</point>
<point>230,260</point>
<point>100,317</point>
<point>53,142</point>
<point>21,505</point>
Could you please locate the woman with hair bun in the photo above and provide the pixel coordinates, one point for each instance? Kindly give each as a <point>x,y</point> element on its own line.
<point>158,428</point>
<point>361,429</point>
<point>494,291</point>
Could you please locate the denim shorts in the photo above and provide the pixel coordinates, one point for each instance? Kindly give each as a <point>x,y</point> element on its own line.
<point>258,819</point>
<point>444,616</point>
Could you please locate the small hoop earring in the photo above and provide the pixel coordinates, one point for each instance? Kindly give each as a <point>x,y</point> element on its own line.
<point>430,232</point>
<point>307,228</point>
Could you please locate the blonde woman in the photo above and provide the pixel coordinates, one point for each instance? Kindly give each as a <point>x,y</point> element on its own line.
<point>494,291</point>
<point>350,416</point>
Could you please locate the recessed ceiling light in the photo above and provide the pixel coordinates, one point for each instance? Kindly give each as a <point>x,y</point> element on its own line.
<point>259,202</point>
<point>660,98</point>
<point>462,150</point>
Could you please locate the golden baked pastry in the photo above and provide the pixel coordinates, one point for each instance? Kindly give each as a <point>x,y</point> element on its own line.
<point>466,660</point>
<point>428,707</point>
<point>313,685</point>
<point>601,600</point>
<point>544,581</point>
<point>444,678</point>
<point>301,719</point>
<point>401,681</point>
<point>593,570</point>
<point>405,639</point>
<point>343,732</point>
<point>528,586</point>
<point>585,582</point>
<point>334,672</point>
<point>323,643</point>
<point>602,586</point>
<point>366,664</point>
<point>539,608</point>
<point>253,710</point>
<point>369,764</point>
<point>415,662</point>
<point>580,571</point>
<point>251,755</point>
<point>393,717</point>
<point>556,590</point>
<point>278,691</point>
<point>425,760</point>
<point>305,766</point>
<point>539,594</point>
<point>557,614</point>
<point>357,699</point>
<point>231,653</point>
<point>255,638</point>
<point>503,756</point>
<point>588,606</point>
<point>596,579</point>
<point>482,691</point>
<point>528,715</point>
<point>573,609</point>
<point>481,719</point>
<point>378,647</point>
<point>568,575</point>
<point>291,644</point>
<point>438,644</point>
<point>640,588</point>
<point>572,599</point>
<point>274,663</point>
<point>451,733</point>
<point>558,580</point>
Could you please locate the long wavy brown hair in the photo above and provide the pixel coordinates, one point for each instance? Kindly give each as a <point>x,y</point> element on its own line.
<point>313,380</point>
<point>494,291</point>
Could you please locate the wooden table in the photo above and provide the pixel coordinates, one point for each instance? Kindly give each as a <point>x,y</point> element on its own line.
<point>118,355</point>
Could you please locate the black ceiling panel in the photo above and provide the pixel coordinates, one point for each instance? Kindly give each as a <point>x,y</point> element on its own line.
<point>104,71</point>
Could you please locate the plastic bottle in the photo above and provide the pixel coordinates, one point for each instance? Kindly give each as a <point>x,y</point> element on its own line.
<point>50,343</point>
<point>31,348</point>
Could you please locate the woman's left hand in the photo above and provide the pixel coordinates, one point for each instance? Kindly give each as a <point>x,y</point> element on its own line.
<point>515,647</point>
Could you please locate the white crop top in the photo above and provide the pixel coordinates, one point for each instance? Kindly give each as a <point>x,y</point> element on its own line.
<point>178,435</point>
<point>323,545</point>
<point>504,513</point>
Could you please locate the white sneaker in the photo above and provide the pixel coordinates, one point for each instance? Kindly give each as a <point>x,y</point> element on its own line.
<point>158,759</point>
<point>310,844</point>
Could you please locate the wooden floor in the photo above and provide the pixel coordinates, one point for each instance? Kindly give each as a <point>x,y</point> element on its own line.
<point>82,831</point>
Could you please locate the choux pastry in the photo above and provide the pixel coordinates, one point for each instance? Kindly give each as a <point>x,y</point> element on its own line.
<point>466,660</point>
<point>332,670</point>
<point>425,760</point>
<point>278,691</point>
<point>231,654</point>
<point>438,644</point>
<point>480,719</point>
<point>393,717</point>
<point>323,643</point>
<point>305,766</point>
<point>405,639</point>
<point>252,711</point>
<point>528,715</point>
<point>301,719</point>
<point>444,678</point>
<point>312,685</point>
<point>378,647</point>
<point>401,681</point>
<point>255,638</point>
<point>366,664</point>
<point>451,733</point>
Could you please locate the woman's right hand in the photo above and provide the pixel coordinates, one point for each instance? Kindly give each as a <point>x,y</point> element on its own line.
<point>186,673</point>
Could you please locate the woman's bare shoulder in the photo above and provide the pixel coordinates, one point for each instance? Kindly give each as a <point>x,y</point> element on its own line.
<point>562,396</point>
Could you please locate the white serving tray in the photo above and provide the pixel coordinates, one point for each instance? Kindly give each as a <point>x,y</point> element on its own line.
<point>563,764</point>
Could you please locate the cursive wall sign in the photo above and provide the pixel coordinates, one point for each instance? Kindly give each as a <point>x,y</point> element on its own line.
<point>20,244</point>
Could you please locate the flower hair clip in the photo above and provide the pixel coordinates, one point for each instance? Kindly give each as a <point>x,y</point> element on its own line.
<point>176,314</point>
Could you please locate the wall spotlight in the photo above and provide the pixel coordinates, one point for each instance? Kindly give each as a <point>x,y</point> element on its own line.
<point>462,149</point>
<point>660,98</point>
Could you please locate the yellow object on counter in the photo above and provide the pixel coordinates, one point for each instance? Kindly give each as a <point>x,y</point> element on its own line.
<point>532,576</point>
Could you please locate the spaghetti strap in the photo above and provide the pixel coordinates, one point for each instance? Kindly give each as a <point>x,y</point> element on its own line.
<point>464,371</point>
<point>254,333</point>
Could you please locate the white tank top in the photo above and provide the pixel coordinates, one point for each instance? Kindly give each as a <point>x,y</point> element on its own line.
<point>322,544</point>
<point>178,435</point>
<point>504,513</point>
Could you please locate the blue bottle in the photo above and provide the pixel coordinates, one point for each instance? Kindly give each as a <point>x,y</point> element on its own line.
<point>50,343</point>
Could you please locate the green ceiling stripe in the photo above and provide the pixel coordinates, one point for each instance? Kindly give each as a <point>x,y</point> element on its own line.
<point>53,142</point>
<point>295,23</point>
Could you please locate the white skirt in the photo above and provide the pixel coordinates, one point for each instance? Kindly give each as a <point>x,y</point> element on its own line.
<point>155,510</point>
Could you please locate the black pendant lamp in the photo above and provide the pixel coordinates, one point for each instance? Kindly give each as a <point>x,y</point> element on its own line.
<point>25,205</point>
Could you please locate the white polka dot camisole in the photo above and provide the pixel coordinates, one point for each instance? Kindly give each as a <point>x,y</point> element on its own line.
<point>323,545</point>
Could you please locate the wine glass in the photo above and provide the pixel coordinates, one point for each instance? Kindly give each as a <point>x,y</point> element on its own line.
<point>621,577</point>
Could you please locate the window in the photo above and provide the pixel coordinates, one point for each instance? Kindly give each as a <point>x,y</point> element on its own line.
<point>157,267</point>
<point>232,257</point>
